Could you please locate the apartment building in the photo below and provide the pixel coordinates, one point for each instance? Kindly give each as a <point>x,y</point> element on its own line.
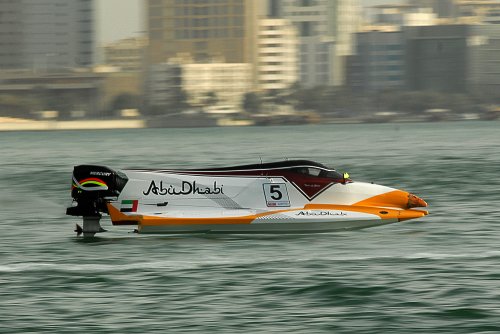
<point>326,29</point>
<point>43,35</point>
<point>278,55</point>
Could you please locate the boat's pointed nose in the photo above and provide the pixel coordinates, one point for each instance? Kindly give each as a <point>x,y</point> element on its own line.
<point>416,202</point>
<point>394,199</point>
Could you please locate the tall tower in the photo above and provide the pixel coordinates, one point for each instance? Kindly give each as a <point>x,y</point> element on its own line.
<point>46,34</point>
<point>326,29</point>
<point>204,30</point>
<point>277,64</point>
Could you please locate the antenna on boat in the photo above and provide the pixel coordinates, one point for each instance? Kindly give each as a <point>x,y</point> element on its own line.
<point>261,173</point>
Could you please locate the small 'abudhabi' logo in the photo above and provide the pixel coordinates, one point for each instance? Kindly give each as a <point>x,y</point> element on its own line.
<point>321,213</point>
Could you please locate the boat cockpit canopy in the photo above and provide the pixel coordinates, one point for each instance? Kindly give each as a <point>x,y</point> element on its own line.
<point>303,167</point>
<point>317,172</point>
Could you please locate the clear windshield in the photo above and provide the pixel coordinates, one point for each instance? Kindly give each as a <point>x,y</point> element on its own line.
<point>317,172</point>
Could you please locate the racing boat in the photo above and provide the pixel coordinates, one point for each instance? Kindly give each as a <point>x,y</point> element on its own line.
<point>280,197</point>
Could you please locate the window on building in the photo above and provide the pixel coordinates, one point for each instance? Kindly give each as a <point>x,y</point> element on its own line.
<point>306,3</point>
<point>305,29</point>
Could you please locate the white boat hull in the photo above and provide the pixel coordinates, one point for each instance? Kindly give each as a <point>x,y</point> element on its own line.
<point>275,228</point>
<point>280,198</point>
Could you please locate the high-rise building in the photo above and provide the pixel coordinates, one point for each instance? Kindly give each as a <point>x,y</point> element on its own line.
<point>127,54</point>
<point>453,58</point>
<point>326,29</point>
<point>379,63</point>
<point>223,31</point>
<point>204,30</point>
<point>278,54</point>
<point>46,34</point>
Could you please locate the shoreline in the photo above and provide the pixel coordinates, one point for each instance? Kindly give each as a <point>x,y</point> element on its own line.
<point>14,125</point>
<point>97,124</point>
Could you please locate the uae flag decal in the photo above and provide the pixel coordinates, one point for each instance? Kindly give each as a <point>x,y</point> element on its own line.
<point>129,206</point>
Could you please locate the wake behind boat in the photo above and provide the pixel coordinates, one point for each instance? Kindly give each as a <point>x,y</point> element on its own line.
<point>281,197</point>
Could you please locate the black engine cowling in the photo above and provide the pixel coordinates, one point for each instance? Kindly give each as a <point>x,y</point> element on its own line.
<point>91,186</point>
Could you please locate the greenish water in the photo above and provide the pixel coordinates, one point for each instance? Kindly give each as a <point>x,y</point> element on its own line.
<point>439,274</point>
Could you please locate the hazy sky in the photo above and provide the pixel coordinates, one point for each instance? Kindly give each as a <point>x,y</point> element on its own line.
<point>118,19</point>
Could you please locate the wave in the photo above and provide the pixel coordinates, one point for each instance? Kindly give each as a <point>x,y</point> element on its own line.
<point>169,264</point>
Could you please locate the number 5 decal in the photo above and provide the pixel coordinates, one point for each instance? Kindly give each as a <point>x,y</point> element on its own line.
<point>276,194</point>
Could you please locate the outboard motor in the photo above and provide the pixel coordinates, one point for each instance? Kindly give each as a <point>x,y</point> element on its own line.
<point>92,186</point>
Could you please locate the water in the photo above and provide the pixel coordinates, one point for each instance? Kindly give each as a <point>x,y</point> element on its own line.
<point>439,274</point>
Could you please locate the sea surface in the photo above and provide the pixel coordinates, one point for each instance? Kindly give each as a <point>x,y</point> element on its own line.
<point>438,274</point>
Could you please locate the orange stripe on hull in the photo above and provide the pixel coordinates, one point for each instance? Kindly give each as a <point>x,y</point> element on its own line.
<point>158,221</point>
<point>394,199</point>
<point>384,213</point>
<point>241,220</point>
<point>119,218</point>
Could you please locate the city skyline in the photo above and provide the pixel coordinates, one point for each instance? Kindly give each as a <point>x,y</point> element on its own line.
<point>132,17</point>
<point>216,58</point>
